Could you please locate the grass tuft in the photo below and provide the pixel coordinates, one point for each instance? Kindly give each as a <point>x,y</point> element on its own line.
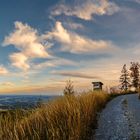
<point>66,118</point>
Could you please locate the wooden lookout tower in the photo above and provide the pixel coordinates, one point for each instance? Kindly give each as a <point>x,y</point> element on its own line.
<point>97,85</point>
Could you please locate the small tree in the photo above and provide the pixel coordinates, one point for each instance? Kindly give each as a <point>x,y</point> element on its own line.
<point>134,68</point>
<point>69,88</point>
<point>124,79</point>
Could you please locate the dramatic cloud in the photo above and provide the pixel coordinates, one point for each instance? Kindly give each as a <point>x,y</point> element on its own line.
<point>30,45</point>
<point>3,70</point>
<point>75,74</point>
<point>87,9</point>
<point>75,43</point>
<point>27,41</point>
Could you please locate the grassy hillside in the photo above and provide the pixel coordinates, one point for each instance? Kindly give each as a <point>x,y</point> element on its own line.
<point>66,118</point>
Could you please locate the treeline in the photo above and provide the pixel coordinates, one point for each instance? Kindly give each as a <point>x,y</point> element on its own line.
<point>130,78</point>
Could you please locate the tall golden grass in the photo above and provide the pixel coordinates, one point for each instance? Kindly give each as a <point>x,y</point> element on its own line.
<point>66,118</point>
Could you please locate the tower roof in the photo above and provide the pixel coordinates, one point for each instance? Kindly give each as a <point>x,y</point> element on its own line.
<point>97,83</point>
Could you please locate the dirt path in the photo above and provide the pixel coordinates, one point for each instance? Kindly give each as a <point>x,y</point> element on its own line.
<point>120,120</point>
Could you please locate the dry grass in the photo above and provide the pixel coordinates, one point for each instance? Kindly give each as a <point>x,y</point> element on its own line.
<point>66,118</point>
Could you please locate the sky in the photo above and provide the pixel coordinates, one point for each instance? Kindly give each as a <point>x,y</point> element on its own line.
<point>44,43</point>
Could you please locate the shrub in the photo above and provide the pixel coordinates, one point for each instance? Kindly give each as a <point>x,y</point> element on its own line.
<point>69,88</point>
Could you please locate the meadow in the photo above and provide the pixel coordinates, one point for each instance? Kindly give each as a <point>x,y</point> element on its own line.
<point>66,118</point>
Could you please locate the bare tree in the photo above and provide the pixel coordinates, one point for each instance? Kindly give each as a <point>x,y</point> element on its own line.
<point>134,68</point>
<point>124,79</point>
<point>69,88</point>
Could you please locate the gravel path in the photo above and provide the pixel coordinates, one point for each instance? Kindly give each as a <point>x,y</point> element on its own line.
<point>120,120</point>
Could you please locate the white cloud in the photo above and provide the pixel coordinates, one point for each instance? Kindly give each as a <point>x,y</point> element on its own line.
<point>28,42</point>
<point>59,33</point>
<point>30,45</point>
<point>75,43</point>
<point>3,70</point>
<point>87,9</point>
<point>19,60</point>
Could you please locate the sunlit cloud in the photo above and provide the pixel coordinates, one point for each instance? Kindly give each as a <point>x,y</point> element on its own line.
<point>19,60</point>
<point>27,41</point>
<point>87,9</point>
<point>75,43</point>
